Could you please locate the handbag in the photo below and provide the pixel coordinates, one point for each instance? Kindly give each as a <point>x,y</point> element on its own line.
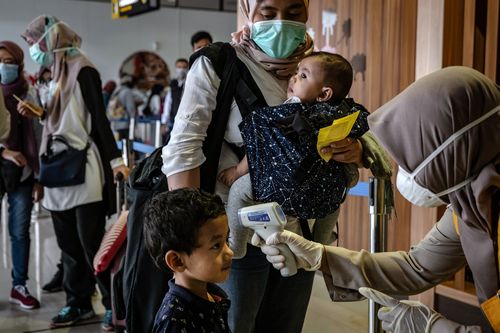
<point>10,175</point>
<point>65,168</point>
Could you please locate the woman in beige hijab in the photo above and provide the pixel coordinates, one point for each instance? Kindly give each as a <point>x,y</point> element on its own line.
<point>444,133</point>
<point>75,111</point>
<point>270,48</point>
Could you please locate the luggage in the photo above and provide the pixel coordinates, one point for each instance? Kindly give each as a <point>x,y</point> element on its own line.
<point>109,258</point>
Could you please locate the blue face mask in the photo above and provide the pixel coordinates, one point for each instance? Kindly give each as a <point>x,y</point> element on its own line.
<point>42,58</point>
<point>8,73</point>
<point>278,38</point>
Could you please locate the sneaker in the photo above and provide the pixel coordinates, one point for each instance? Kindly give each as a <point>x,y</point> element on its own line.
<point>69,315</point>
<point>107,322</point>
<point>55,284</point>
<point>21,296</point>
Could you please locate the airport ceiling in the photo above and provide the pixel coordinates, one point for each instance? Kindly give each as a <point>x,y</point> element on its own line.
<point>220,5</point>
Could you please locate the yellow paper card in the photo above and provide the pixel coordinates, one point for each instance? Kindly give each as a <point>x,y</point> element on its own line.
<point>338,130</point>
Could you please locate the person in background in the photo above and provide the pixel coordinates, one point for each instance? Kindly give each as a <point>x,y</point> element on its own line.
<point>444,133</point>
<point>123,106</point>
<point>4,119</point>
<point>18,168</point>
<point>186,231</point>
<point>107,91</point>
<point>173,98</point>
<point>154,103</point>
<point>43,79</point>
<point>76,112</point>
<point>200,39</point>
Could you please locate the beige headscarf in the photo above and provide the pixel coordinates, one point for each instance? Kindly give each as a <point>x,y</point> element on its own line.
<point>413,124</point>
<point>66,66</point>
<point>281,68</point>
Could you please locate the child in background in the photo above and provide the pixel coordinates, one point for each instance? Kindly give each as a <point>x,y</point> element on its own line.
<point>187,231</point>
<point>321,84</point>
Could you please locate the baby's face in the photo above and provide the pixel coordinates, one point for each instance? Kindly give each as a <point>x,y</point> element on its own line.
<point>307,82</point>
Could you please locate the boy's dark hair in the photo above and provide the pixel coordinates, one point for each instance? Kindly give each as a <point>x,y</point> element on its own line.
<point>338,73</point>
<point>182,60</point>
<point>172,220</point>
<point>197,36</point>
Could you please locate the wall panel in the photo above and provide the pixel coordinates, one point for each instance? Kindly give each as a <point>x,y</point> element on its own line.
<point>382,40</point>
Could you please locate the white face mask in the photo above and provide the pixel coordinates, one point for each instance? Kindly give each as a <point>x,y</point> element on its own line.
<point>421,196</point>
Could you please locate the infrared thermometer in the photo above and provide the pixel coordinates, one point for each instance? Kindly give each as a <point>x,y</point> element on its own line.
<point>266,219</point>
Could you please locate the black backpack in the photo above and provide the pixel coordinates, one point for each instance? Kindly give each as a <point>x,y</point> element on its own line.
<point>144,284</point>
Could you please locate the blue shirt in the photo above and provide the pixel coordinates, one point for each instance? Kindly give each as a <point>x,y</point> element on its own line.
<point>184,312</point>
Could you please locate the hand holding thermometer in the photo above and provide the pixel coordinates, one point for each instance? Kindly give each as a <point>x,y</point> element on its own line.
<point>266,219</point>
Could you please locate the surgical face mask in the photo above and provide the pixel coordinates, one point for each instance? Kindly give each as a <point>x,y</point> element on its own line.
<point>8,73</point>
<point>42,58</point>
<point>46,59</point>
<point>278,38</point>
<point>419,195</point>
<point>180,73</point>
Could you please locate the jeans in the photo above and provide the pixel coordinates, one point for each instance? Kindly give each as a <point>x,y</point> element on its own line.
<point>20,205</point>
<point>264,301</point>
<point>79,232</point>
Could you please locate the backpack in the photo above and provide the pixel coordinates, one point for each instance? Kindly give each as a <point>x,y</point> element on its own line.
<point>144,284</point>
<point>115,109</point>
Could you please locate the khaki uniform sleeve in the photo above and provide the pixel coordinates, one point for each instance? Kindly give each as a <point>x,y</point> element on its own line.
<point>435,259</point>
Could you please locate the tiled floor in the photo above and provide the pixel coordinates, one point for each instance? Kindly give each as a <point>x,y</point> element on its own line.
<point>322,316</point>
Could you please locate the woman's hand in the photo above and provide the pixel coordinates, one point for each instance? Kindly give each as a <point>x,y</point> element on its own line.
<point>15,157</point>
<point>125,171</point>
<point>348,150</point>
<point>37,193</point>
<point>29,110</point>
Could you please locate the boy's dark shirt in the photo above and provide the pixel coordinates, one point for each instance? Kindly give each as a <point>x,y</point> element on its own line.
<point>184,312</point>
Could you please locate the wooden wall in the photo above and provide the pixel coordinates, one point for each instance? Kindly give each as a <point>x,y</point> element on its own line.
<point>384,33</point>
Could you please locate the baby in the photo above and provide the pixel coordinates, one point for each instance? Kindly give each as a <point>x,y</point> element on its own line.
<point>316,96</point>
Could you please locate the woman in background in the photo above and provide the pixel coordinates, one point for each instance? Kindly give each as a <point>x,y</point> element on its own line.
<point>76,112</point>
<point>18,167</point>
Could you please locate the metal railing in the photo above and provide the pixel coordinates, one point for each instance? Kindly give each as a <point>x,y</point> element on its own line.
<point>380,210</point>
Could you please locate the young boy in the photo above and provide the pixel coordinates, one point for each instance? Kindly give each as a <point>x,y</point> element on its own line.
<point>187,231</point>
<point>320,85</point>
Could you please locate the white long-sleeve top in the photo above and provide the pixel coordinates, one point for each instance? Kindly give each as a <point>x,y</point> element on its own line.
<point>184,150</point>
<point>75,127</point>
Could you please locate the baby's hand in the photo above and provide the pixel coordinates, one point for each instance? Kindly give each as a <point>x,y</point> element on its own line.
<point>228,176</point>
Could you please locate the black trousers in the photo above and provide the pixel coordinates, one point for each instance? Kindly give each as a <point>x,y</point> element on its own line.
<point>79,232</point>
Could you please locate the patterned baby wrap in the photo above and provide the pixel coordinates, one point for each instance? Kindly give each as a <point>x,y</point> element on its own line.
<point>285,167</point>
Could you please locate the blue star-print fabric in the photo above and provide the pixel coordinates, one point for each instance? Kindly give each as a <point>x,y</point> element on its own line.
<point>284,165</point>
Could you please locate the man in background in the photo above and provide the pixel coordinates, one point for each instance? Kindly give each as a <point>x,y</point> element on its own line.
<point>200,39</point>
<point>173,98</point>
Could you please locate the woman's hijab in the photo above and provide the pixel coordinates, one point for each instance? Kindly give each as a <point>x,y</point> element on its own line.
<point>22,135</point>
<point>66,66</point>
<point>281,68</point>
<point>417,121</point>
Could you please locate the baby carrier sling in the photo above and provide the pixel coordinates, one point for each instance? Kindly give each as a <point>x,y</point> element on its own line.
<point>144,284</point>
<point>284,165</point>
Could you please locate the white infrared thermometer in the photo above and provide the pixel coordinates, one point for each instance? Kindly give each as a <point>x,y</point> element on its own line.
<point>266,219</point>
